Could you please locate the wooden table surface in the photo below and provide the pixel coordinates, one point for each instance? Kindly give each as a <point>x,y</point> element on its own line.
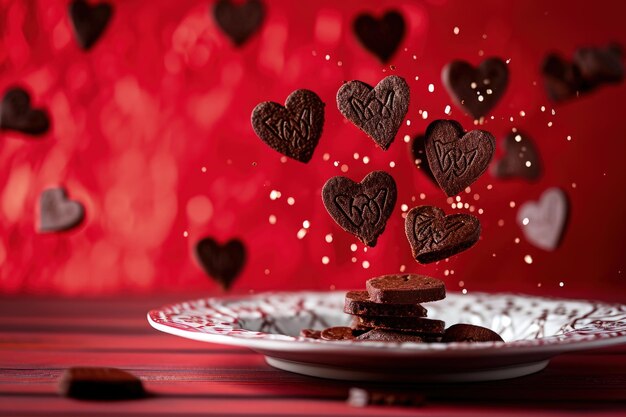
<point>39,338</point>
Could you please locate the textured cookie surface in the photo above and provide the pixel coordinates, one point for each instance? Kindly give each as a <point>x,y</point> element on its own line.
<point>456,158</point>
<point>433,236</point>
<point>294,129</point>
<point>361,208</point>
<point>377,111</point>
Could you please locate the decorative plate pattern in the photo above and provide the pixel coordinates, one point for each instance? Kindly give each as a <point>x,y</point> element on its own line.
<point>522,321</point>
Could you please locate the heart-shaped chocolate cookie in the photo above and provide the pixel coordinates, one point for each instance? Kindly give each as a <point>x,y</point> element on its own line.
<point>89,21</point>
<point>600,65</point>
<point>521,159</point>
<point>293,130</point>
<point>361,208</point>
<point>57,213</point>
<point>562,79</point>
<point>239,21</point>
<point>543,222</point>
<point>377,111</point>
<point>456,158</point>
<point>17,114</point>
<point>222,262</point>
<point>476,90</point>
<point>433,236</point>
<point>418,156</point>
<point>380,36</point>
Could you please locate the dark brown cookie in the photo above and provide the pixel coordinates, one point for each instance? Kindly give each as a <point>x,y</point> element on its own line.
<point>358,302</point>
<point>380,36</point>
<point>239,20</point>
<point>89,21</point>
<point>57,213</point>
<point>457,158</point>
<point>222,262</point>
<point>433,236</point>
<point>361,208</point>
<point>311,334</point>
<point>521,159</point>
<point>384,335</point>
<point>293,130</point>
<point>479,89</point>
<point>562,78</point>
<point>337,333</point>
<point>100,384</point>
<point>377,111</point>
<point>599,66</point>
<point>17,114</point>
<point>418,156</point>
<point>405,289</point>
<point>469,333</point>
<point>543,222</point>
<point>359,397</point>
<point>407,324</point>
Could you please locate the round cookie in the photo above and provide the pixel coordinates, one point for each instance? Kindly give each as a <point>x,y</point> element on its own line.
<point>469,333</point>
<point>358,302</point>
<point>405,289</point>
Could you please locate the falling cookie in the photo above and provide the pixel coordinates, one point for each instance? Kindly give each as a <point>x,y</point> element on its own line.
<point>91,383</point>
<point>222,262</point>
<point>380,36</point>
<point>239,20</point>
<point>433,236</point>
<point>543,222</point>
<point>377,111</point>
<point>599,66</point>
<point>418,156</point>
<point>457,158</point>
<point>89,21</point>
<point>294,129</point>
<point>521,159</point>
<point>57,213</point>
<point>17,114</point>
<point>479,89</point>
<point>562,79</point>
<point>361,208</point>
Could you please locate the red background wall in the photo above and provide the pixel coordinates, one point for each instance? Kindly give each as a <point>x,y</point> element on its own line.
<point>164,94</point>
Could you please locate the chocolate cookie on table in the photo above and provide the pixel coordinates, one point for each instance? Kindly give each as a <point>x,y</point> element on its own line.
<point>359,303</point>
<point>405,289</point>
<point>92,383</point>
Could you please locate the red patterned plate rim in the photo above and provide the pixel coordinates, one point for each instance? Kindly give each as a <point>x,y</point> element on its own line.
<point>267,321</point>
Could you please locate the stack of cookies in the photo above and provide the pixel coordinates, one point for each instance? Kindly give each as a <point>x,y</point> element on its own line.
<point>390,310</point>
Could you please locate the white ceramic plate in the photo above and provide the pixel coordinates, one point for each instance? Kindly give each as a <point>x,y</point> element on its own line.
<point>534,329</point>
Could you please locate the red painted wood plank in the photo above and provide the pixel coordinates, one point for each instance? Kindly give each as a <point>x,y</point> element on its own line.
<point>156,341</point>
<point>284,407</point>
